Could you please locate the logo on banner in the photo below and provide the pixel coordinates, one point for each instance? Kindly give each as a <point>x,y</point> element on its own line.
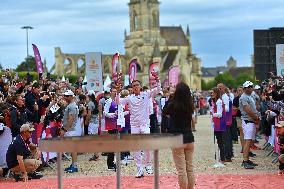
<point>93,65</point>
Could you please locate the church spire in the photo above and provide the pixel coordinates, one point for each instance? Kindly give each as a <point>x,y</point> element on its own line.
<point>187,31</point>
<point>189,40</point>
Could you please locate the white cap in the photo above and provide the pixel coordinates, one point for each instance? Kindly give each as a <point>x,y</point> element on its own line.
<point>91,92</point>
<point>247,83</point>
<point>68,93</point>
<point>107,89</point>
<point>256,87</point>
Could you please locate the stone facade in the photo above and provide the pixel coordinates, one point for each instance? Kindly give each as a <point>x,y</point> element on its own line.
<point>148,42</point>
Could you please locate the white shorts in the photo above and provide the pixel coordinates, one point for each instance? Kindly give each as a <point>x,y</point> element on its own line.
<point>249,130</point>
<point>93,129</point>
<point>140,130</point>
<point>72,134</point>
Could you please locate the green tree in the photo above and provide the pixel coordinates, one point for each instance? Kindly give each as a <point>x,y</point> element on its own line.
<point>242,77</point>
<point>225,78</point>
<point>207,85</point>
<point>27,65</point>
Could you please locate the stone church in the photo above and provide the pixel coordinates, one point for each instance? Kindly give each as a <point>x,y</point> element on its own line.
<point>148,42</point>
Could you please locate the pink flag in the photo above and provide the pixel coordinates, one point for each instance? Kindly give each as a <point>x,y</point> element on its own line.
<point>173,75</point>
<point>115,66</point>
<point>37,60</point>
<point>132,71</point>
<point>153,70</point>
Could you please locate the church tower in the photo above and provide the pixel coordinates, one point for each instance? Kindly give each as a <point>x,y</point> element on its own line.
<point>144,16</point>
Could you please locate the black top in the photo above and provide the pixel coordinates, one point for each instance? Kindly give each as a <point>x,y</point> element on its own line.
<point>30,100</point>
<point>180,123</point>
<point>236,103</point>
<point>17,147</point>
<point>19,116</point>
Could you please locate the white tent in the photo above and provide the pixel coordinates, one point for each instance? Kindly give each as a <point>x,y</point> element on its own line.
<point>63,78</point>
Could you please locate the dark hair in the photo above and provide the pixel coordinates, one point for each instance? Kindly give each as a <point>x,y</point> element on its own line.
<point>82,97</point>
<point>218,94</point>
<point>182,100</point>
<point>94,100</point>
<point>136,81</point>
<point>128,87</point>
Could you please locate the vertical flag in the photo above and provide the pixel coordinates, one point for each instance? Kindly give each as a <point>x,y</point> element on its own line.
<point>37,60</point>
<point>280,59</point>
<point>115,66</point>
<point>94,72</point>
<point>153,68</point>
<point>173,75</point>
<point>132,71</point>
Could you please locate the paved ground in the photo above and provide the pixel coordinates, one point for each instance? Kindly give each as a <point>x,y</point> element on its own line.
<point>232,176</point>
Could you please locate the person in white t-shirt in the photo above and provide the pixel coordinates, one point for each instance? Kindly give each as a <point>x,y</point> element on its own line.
<point>138,104</point>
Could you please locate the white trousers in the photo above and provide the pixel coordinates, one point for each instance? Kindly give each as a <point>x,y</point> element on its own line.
<point>138,155</point>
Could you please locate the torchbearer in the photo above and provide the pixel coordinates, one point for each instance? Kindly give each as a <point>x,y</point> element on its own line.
<point>138,104</point>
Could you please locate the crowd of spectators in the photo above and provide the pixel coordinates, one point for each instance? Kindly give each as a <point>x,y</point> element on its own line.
<point>247,114</point>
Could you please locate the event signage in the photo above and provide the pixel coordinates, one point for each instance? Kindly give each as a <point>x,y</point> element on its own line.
<point>280,59</point>
<point>173,75</point>
<point>115,66</point>
<point>37,59</point>
<point>94,72</point>
<point>132,71</point>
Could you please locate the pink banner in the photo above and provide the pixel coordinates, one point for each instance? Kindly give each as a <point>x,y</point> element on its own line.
<point>115,66</point>
<point>173,76</point>
<point>153,69</point>
<point>37,59</point>
<point>132,72</point>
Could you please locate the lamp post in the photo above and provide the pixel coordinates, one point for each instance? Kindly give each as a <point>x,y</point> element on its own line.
<point>27,34</point>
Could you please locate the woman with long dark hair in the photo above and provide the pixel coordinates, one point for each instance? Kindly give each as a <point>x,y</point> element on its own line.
<point>219,121</point>
<point>180,110</point>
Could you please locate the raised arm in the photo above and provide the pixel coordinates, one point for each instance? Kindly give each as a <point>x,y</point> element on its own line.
<point>153,92</point>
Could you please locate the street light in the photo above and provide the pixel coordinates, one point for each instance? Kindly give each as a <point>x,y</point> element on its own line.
<point>27,34</point>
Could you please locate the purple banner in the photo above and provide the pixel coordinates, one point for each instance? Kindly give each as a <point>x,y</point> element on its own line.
<point>37,59</point>
<point>173,76</point>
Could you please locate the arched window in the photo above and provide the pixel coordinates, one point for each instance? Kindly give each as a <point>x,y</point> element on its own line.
<point>135,21</point>
<point>80,63</point>
<point>155,18</point>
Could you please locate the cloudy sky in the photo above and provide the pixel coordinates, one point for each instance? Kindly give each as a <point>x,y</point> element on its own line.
<point>219,29</point>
